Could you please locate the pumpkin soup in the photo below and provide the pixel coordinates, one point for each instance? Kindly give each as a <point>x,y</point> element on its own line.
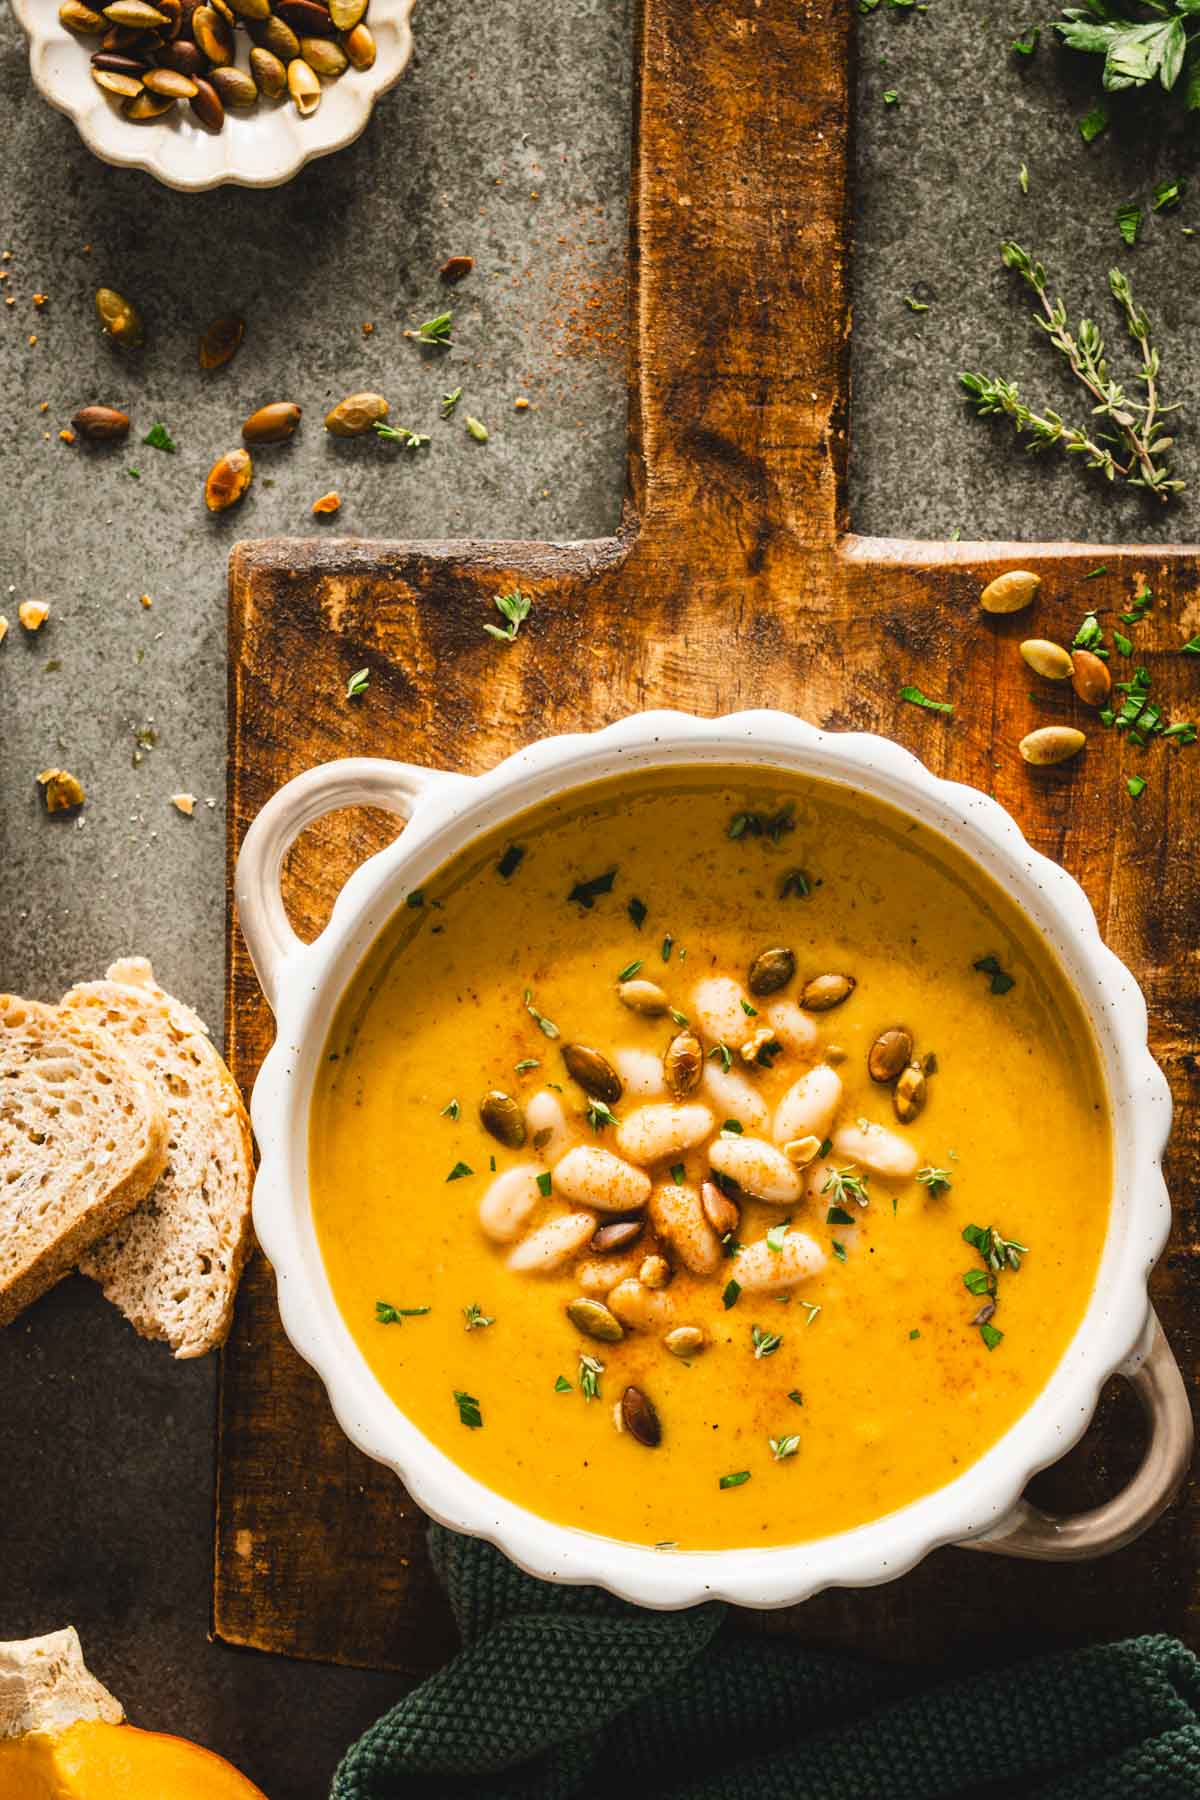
<point>711,1159</point>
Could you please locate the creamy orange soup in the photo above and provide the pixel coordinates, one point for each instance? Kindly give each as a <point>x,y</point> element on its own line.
<point>802,1171</point>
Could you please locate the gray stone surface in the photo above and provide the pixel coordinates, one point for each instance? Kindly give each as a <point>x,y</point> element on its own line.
<point>105,1444</point>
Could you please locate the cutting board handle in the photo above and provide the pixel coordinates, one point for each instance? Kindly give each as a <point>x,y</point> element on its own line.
<point>257,884</point>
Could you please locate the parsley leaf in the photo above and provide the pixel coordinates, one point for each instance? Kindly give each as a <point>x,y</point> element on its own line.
<point>159,438</point>
<point>468,1410</point>
<point>915,697</point>
<point>587,892</point>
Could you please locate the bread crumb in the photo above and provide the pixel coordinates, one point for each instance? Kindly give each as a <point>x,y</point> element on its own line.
<point>146,601</point>
<point>3,628</point>
<point>67,435</point>
<point>328,503</point>
<point>61,790</point>
<point>521,403</point>
<point>368,328</point>
<point>456,268</point>
<point>33,337</point>
<point>243,1544</point>
<point>184,803</point>
<point>43,406</point>
<point>33,614</point>
<point>40,299</point>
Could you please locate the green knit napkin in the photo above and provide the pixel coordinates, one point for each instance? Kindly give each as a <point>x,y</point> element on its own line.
<point>561,1693</point>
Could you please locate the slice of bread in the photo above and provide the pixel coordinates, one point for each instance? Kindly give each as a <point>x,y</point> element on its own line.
<point>173,1265</point>
<point>45,1685</point>
<point>83,1139</point>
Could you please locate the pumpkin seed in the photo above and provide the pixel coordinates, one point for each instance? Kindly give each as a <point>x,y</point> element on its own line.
<point>771,970</point>
<point>1090,678</point>
<point>305,17</point>
<point>594,1073</point>
<point>683,1063</point>
<point>323,55</point>
<point>616,1236</point>
<point>500,1114</point>
<point>640,1419</point>
<point>719,1209</point>
<point>277,37</point>
<point>230,475</point>
<point>271,424</point>
<point>235,87</point>
<point>1052,744</point>
<point>146,106</point>
<point>184,58</point>
<point>824,992</point>
<point>357,412</point>
<point>251,9</point>
<point>685,1340</point>
<point>655,1272</point>
<point>136,15</point>
<point>910,1093</point>
<point>346,13</point>
<point>115,83</point>
<point>206,104</point>
<point>213,35</point>
<point>122,62</point>
<point>644,997</point>
<point>101,423</point>
<point>359,46</point>
<point>61,790</point>
<point>225,11</point>
<point>1048,659</point>
<point>889,1053</point>
<point>77,17</point>
<point>119,318</point>
<point>268,72</point>
<point>1011,592</point>
<point>174,12</point>
<point>593,1318</point>
<point>171,83</point>
<point>220,342</point>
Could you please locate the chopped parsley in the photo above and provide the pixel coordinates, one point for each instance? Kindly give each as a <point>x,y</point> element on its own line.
<point>1089,636</point>
<point>476,1318</point>
<point>416,898</point>
<point>990,1335</point>
<point>733,1127</point>
<point>514,610</point>
<point>511,861</point>
<point>738,1479</point>
<point>769,825</point>
<point>915,697</point>
<point>386,1314</point>
<point>1137,786</point>
<point>629,971</point>
<point>999,979</point>
<point>936,1180</point>
<point>450,401</point>
<point>667,946</point>
<point>838,1248</point>
<point>357,683</point>
<point>451,1110</point>
<point>545,1025</point>
<point>600,1114</point>
<point>1093,123</point>
<point>1129,219</point>
<point>563,1386</point>
<point>459,1170</point>
<point>637,912</point>
<point>159,438</point>
<point>545,1184</point>
<point>526,1063</point>
<point>1123,644</point>
<point>1027,43</point>
<point>796,1397</point>
<point>588,892</point>
<point>797,883</point>
<point>783,1447</point>
<point>1192,647</point>
<point>724,1056</point>
<point>468,1410</point>
<point>837,1215</point>
<point>776,1236</point>
<point>914,1333</point>
<point>730,1295</point>
<point>677,1173</point>
<point>1167,194</point>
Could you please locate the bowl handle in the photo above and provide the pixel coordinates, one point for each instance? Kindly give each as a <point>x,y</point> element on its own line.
<point>1050,1537</point>
<point>353,781</point>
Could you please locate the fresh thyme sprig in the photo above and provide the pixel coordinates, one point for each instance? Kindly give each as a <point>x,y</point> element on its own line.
<point>1133,449</point>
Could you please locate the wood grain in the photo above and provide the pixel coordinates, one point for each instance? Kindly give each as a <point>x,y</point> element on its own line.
<point>732,582</point>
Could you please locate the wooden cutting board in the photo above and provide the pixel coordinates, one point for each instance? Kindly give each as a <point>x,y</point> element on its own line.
<point>732,582</point>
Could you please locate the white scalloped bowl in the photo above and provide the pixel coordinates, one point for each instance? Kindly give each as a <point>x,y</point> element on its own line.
<point>444,813</point>
<point>262,148</point>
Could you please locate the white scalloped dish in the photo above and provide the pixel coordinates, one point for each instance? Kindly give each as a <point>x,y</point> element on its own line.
<point>261,148</point>
<point>982,1505</point>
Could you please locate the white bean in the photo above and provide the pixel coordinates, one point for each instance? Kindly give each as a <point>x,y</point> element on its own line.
<point>679,1221</point>
<point>641,1308</point>
<point>652,1133</point>
<point>794,1029</point>
<point>757,1167</point>
<point>717,1004</point>
<point>758,1269</point>
<point>592,1176</point>
<point>509,1202</point>
<point>552,1245</point>
<point>807,1108</point>
<point>733,1097</point>
<point>884,1153</point>
<point>544,1113</point>
<point>815,1177</point>
<point>600,1274</point>
<point>641,1072</point>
